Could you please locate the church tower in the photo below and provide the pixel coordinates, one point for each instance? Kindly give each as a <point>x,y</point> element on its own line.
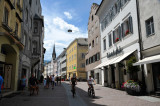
<point>54,53</point>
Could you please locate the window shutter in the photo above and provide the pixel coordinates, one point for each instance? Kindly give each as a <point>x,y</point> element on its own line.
<point>113,36</point>
<point>130,25</point>
<point>120,34</point>
<point>118,5</point>
<point>122,30</point>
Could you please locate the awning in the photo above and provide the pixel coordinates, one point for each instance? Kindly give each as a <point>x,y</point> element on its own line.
<point>122,57</point>
<point>108,62</point>
<point>148,60</point>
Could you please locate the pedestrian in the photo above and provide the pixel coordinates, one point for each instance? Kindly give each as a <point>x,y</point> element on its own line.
<point>33,84</point>
<point>53,79</point>
<point>48,80</point>
<point>60,80</point>
<point>57,80</point>
<point>23,82</point>
<point>1,83</point>
<point>41,79</point>
<point>44,82</point>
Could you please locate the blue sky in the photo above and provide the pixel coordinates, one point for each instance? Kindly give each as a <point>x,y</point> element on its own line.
<point>61,15</point>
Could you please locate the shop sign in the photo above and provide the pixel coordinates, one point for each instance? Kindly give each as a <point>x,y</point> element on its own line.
<point>115,52</point>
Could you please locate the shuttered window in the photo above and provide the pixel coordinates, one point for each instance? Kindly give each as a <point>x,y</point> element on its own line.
<point>6,16</point>
<point>110,40</point>
<point>104,44</point>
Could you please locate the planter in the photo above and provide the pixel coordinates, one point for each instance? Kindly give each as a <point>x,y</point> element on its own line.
<point>132,92</point>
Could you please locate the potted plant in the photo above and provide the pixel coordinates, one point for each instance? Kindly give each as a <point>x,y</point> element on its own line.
<point>127,32</point>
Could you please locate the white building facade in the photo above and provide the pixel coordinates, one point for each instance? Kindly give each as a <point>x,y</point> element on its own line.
<point>119,40</point>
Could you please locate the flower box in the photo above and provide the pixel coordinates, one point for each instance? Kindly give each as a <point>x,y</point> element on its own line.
<point>127,32</point>
<point>117,39</point>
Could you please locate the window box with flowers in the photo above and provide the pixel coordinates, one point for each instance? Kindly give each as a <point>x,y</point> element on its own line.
<point>117,39</point>
<point>127,32</point>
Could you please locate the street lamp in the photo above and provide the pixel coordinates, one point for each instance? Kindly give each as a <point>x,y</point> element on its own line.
<point>69,30</point>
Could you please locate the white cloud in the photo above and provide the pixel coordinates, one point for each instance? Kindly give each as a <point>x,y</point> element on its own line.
<point>69,16</point>
<point>64,25</point>
<point>56,32</point>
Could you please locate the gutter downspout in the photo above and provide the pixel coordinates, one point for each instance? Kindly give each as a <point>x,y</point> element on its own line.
<point>141,47</point>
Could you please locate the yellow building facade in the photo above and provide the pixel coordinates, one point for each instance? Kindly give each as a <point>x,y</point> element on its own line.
<point>75,59</point>
<point>10,45</point>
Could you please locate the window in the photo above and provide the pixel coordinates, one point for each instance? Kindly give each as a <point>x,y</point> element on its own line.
<point>92,43</point>
<point>150,26</point>
<point>74,47</point>
<point>31,22</point>
<point>83,56</point>
<point>35,27</point>
<point>18,2</point>
<point>87,62</point>
<point>90,46</point>
<point>92,17</point>
<point>16,29</point>
<point>72,57</point>
<point>127,27</point>
<point>34,47</point>
<point>6,16</point>
<point>104,44</point>
<point>110,40</point>
<point>117,35</point>
<point>83,65</point>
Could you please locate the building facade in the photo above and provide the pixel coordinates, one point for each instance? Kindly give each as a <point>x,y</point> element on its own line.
<point>10,43</point>
<point>94,46</point>
<point>149,19</point>
<point>76,58</point>
<point>63,63</point>
<point>119,41</point>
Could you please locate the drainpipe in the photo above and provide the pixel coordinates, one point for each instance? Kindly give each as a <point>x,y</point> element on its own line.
<point>140,45</point>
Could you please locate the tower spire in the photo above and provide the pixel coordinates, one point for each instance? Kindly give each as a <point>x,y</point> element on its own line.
<point>54,53</point>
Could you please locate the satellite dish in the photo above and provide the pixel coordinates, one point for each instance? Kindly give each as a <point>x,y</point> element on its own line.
<point>69,30</point>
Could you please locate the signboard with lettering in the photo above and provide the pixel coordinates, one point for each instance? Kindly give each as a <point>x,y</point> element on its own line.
<point>115,52</point>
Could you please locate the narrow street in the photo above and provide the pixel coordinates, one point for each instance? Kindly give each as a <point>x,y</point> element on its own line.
<point>61,96</point>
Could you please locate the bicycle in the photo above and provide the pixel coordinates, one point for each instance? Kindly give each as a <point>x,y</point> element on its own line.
<point>91,91</point>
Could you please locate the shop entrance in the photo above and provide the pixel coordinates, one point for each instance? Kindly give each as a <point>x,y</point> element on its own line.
<point>156,76</point>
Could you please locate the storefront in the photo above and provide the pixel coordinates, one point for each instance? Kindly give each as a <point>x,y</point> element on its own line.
<point>152,72</point>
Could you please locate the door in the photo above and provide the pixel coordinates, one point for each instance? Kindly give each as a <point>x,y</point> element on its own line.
<point>156,76</point>
<point>7,76</point>
<point>97,78</point>
<point>113,74</point>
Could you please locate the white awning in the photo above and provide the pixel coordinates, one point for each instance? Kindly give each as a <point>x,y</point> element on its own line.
<point>106,63</point>
<point>148,60</point>
<point>122,57</point>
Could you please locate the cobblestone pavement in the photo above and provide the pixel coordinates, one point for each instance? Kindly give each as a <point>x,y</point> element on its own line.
<point>61,96</point>
<point>46,97</point>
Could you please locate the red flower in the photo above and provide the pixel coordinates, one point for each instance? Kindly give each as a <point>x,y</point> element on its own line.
<point>127,32</point>
<point>117,39</point>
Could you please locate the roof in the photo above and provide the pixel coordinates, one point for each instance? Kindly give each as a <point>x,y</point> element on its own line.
<point>99,7</point>
<point>80,41</point>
